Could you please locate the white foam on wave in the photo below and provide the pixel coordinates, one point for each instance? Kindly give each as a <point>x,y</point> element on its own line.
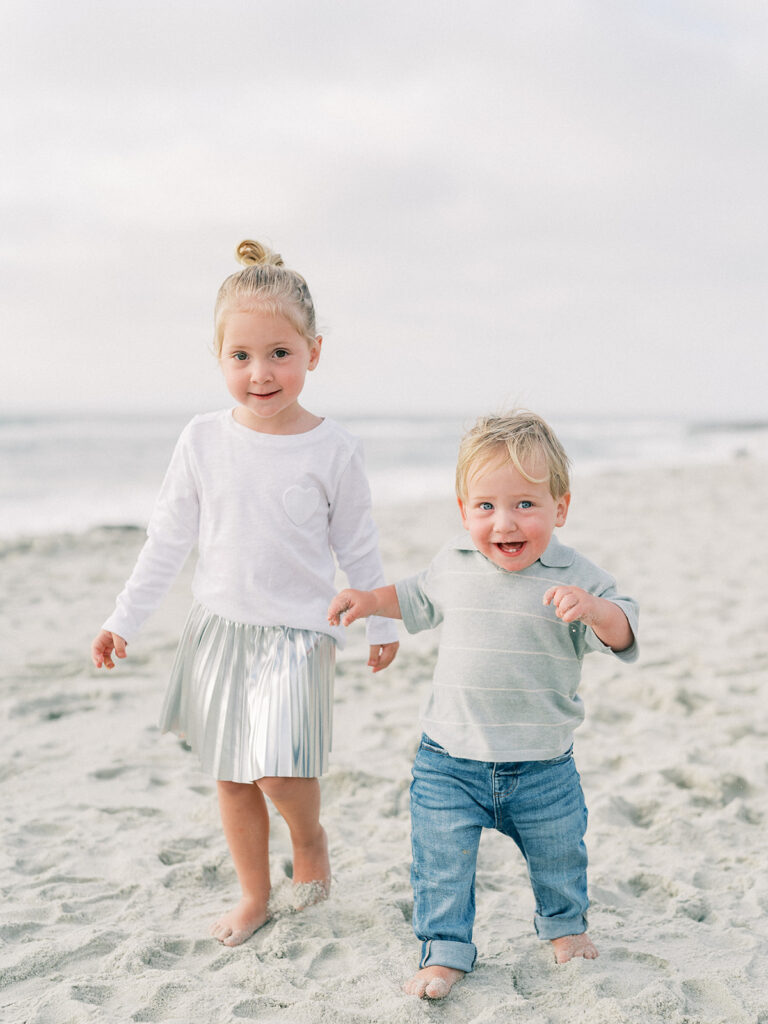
<point>71,474</point>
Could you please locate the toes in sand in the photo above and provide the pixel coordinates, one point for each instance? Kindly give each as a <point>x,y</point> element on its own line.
<point>311,872</point>
<point>305,894</point>
<point>240,923</point>
<point>569,946</point>
<point>432,982</point>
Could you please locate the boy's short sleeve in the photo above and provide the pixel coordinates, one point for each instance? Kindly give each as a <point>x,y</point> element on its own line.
<point>631,609</point>
<point>416,607</point>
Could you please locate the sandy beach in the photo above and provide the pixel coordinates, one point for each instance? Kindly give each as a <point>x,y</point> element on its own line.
<point>114,864</point>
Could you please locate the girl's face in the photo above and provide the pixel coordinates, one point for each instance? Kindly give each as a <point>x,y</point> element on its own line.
<point>264,361</point>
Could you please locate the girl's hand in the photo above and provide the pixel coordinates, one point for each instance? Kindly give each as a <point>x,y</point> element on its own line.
<point>382,655</point>
<point>350,605</point>
<point>103,646</point>
<point>572,603</point>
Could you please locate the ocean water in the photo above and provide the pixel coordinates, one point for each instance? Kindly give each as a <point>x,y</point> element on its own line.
<point>68,473</point>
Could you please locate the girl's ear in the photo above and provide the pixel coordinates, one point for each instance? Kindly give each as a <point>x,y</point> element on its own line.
<point>561,511</point>
<point>314,352</point>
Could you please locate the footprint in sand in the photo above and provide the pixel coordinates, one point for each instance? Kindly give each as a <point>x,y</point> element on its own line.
<point>94,995</point>
<point>110,773</point>
<point>163,999</point>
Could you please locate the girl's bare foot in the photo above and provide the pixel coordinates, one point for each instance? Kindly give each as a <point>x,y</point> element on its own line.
<point>433,982</point>
<point>311,872</point>
<point>569,946</point>
<point>240,923</point>
<point>306,894</point>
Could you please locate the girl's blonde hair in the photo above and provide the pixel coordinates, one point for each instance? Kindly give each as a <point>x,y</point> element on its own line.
<point>517,437</point>
<point>265,284</point>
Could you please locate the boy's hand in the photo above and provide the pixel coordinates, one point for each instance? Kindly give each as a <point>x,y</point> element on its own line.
<point>350,605</point>
<point>103,646</point>
<point>382,655</point>
<point>606,618</point>
<point>572,603</point>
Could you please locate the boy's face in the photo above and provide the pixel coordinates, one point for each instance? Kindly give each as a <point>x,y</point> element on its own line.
<point>511,520</point>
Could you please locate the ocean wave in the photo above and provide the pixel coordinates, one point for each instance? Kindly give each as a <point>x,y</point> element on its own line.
<point>50,544</point>
<point>60,477</point>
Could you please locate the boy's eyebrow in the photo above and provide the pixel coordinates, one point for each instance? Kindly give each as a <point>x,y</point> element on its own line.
<point>517,494</point>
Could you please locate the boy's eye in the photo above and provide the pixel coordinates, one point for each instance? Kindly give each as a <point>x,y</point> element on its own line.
<point>525,504</point>
<point>281,353</point>
<point>486,506</point>
<point>240,356</point>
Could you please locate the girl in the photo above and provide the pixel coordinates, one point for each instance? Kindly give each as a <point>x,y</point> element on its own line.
<point>269,492</point>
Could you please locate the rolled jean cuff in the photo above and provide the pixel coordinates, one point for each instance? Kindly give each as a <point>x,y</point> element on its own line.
<point>446,953</point>
<point>557,927</point>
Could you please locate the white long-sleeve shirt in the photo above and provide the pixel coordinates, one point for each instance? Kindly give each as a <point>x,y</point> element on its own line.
<point>267,512</point>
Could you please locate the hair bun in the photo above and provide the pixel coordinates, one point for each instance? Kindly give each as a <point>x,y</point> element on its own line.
<point>251,254</point>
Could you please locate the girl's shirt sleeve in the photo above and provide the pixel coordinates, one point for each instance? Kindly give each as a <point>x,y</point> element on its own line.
<point>171,535</point>
<point>355,541</point>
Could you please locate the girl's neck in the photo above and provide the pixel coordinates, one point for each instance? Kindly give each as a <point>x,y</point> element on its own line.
<point>300,421</point>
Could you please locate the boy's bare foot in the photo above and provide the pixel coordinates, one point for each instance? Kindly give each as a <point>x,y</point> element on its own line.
<point>433,982</point>
<point>569,946</point>
<point>240,923</point>
<point>311,872</point>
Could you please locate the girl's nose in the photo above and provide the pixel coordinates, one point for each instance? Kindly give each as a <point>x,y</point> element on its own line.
<point>260,372</point>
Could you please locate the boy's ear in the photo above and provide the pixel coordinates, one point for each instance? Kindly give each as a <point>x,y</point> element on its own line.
<point>561,512</point>
<point>463,513</point>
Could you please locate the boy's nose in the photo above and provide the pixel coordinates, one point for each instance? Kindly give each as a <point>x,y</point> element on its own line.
<point>506,522</point>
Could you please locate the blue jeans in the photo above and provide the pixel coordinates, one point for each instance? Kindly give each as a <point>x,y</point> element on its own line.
<point>539,804</point>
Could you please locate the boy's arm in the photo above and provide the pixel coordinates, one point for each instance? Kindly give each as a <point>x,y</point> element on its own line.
<point>350,605</point>
<point>608,621</point>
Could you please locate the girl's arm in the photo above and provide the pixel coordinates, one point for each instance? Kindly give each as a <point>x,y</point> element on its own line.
<point>382,655</point>
<point>354,539</point>
<point>350,605</point>
<point>103,646</point>
<point>171,535</point>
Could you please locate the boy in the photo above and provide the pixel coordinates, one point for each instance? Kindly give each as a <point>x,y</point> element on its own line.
<point>519,611</point>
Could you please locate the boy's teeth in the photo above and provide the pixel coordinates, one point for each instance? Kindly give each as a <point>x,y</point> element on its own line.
<point>512,548</point>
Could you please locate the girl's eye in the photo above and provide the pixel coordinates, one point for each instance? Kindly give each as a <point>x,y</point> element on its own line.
<point>240,356</point>
<point>525,504</point>
<point>486,506</point>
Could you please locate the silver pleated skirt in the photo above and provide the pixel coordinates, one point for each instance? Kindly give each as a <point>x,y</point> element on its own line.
<point>252,700</point>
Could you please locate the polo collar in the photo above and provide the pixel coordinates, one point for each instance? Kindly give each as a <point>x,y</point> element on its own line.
<point>556,556</point>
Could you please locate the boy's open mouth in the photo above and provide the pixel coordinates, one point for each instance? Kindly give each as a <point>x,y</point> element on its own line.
<point>512,548</point>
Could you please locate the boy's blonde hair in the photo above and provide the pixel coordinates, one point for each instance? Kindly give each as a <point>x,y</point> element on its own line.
<point>517,437</point>
<point>265,284</point>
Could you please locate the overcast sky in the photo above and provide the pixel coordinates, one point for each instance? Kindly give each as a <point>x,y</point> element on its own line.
<point>514,201</point>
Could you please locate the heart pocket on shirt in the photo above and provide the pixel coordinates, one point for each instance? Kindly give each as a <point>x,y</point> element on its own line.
<point>300,503</point>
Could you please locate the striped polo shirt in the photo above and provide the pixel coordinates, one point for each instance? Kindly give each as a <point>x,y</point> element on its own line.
<point>507,673</point>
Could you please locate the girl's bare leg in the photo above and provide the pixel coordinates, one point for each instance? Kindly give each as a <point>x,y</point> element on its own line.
<point>245,819</point>
<point>298,801</point>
